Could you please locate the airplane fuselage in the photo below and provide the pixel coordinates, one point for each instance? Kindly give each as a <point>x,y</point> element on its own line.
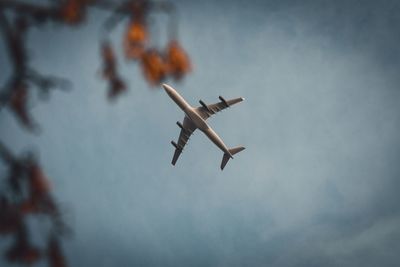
<point>198,121</point>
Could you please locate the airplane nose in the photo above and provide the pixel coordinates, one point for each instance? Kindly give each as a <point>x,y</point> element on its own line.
<point>166,87</point>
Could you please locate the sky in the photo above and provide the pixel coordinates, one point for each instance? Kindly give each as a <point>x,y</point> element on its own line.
<point>317,184</point>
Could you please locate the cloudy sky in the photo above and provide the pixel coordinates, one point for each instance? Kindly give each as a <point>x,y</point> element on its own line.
<point>317,184</point>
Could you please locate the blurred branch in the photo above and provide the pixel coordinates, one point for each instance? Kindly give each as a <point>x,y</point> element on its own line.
<point>5,154</point>
<point>35,12</point>
<point>28,187</point>
<point>109,71</point>
<point>156,65</point>
<point>29,195</point>
<point>15,93</point>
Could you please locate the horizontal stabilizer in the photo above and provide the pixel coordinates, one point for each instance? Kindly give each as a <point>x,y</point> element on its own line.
<point>226,157</point>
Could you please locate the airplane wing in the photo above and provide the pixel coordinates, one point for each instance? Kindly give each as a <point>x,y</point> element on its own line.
<point>206,111</point>
<point>187,128</point>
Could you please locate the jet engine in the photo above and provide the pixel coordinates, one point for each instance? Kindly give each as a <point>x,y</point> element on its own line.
<point>176,145</point>
<point>223,101</point>
<point>180,125</point>
<point>204,105</point>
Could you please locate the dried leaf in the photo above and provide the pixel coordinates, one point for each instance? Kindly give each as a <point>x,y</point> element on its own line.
<point>177,59</point>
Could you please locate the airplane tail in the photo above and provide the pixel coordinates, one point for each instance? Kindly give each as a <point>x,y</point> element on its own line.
<point>226,157</point>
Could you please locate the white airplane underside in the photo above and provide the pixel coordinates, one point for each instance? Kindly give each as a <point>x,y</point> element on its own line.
<point>195,118</point>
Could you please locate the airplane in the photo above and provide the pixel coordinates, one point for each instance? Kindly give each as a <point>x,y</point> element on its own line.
<point>195,118</point>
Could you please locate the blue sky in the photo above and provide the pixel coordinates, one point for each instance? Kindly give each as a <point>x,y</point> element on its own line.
<point>317,184</point>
